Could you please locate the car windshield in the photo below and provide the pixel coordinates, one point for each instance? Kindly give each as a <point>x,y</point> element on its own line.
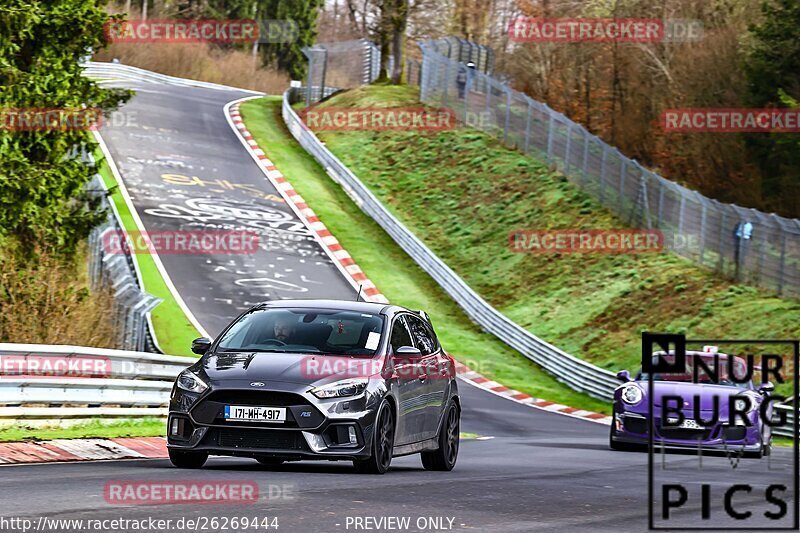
<point>323,331</point>
<point>723,376</point>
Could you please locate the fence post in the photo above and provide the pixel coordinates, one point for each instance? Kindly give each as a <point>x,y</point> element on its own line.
<point>603,173</point>
<point>702,232</point>
<point>585,155</point>
<point>528,125</point>
<point>720,262</point>
<point>446,85</point>
<point>309,77</point>
<point>660,202</point>
<point>550,133</point>
<point>488,96</point>
<point>324,72</point>
<point>680,214</point>
<point>761,255</point>
<point>782,271</point>
<point>623,172</point>
<point>508,114</point>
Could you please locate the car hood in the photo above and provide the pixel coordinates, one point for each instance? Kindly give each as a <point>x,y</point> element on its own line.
<point>689,392</point>
<point>267,367</point>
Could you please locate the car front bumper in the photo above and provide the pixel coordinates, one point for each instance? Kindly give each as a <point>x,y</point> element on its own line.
<point>326,429</point>
<point>633,428</point>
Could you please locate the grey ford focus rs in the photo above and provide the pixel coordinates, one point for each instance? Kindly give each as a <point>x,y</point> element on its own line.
<point>321,380</point>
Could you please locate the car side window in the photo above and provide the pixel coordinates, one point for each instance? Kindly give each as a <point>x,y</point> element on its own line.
<point>400,336</point>
<point>423,337</point>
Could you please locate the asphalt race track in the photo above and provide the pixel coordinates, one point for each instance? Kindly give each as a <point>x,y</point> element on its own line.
<point>541,471</point>
<point>186,170</point>
<point>532,469</point>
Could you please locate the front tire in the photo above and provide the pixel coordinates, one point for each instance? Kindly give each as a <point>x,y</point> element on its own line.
<point>382,443</point>
<point>444,458</point>
<point>182,459</point>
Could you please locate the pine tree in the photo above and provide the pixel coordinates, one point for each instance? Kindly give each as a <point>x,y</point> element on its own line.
<point>42,176</point>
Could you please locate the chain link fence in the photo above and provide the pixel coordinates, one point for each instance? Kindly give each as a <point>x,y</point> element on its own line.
<point>340,65</point>
<point>117,271</point>
<point>464,51</point>
<point>737,242</point>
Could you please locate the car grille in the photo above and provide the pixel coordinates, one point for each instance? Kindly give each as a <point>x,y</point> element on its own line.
<point>635,425</point>
<point>685,434</point>
<point>256,397</point>
<point>269,439</point>
<point>735,432</point>
<point>210,409</point>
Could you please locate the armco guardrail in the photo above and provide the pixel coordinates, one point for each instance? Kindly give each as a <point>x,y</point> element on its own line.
<point>578,374</point>
<point>115,71</point>
<point>788,429</point>
<point>123,383</point>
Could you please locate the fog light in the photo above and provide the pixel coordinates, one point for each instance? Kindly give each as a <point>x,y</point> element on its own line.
<point>175,431</point>
<point>351,432</point>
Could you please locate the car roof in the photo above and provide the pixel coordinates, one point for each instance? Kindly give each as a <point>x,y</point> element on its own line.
<point>344,305</point>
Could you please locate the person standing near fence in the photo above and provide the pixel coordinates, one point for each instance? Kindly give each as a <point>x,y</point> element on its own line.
<point>464,78</point>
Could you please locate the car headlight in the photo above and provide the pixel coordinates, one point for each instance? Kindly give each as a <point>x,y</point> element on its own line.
<point>741,404</point>
<point>631,394</point>
<point>189,381</point>
<point>341,389</point>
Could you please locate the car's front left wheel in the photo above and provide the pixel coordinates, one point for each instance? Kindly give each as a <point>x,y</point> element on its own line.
<point>444,458</point>
<point>182,459</point>
<point>382,443</point>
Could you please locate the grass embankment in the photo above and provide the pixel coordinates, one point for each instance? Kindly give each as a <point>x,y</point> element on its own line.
<point>395,274</point>
<point>173,330</point>
<point>463,192</point>
<point>145,427</point>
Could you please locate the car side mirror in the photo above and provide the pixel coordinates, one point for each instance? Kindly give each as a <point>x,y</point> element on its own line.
<point>624,376</point>
<point>766,387</point>
<point>408,352</point>
<point>200,346</point>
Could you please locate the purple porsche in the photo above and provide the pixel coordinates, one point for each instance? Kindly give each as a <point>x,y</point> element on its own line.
<point>737,422</point>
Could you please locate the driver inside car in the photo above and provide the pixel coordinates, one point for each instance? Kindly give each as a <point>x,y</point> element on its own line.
<point>284,330</point>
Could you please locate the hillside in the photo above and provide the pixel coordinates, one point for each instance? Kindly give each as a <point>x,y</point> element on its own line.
<point>462,192</point>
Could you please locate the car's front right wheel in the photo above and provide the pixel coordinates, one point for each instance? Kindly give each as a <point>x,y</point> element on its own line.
<point>444,458</point>
<point>182,459</point>
<point>382,443</point>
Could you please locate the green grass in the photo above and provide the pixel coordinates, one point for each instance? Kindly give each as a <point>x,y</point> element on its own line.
<point>462,192</point>
<point>173,330</point>
<point>144,427</point>
<point>394,273</point>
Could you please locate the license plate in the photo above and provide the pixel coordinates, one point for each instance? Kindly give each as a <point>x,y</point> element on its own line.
<point>687,423</point>
<point>249,413</point>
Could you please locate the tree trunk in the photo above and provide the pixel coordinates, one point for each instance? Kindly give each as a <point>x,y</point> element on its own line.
<point>398,28</point>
